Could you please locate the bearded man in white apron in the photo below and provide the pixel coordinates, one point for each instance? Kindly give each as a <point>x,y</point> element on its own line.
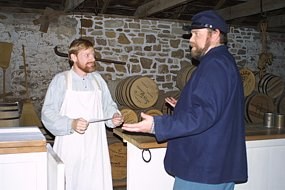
<point>74,99</point>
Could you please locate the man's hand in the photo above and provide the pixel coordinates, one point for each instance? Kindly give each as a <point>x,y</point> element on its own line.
<point>79,125</point>
<point>117,119</point>
<point>171,101</point>
<point>144,126</point>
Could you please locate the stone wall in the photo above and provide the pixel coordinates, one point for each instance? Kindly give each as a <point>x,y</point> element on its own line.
<point>148,47</point>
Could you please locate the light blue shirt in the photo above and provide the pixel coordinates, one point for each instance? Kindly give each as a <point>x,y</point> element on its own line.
<point>60,125</point>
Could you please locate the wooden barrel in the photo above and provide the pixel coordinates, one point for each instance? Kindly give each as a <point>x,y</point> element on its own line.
<point>256,105</point>
<point>271,85</point>
<point>137,92</point>
<point>162,105</point>
<point>153,112</point>
<point>130,116</point>
<point>118,158</point>
<point>9,114</point>
<point>149,111</point>
<point>184,75</point>
<point>281,104</point>
<point>248,79</point>
<point>112,85</point>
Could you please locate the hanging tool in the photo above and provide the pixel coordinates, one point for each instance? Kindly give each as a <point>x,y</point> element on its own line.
<point>265,57</point>
<point>97,59</point>
<point>29,116</point>
<point>5,52</point>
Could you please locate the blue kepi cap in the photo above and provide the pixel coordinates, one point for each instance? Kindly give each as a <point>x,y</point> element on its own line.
<point>208,19</point>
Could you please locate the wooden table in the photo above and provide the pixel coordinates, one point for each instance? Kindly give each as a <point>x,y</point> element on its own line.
<point>265,154</point>
<point>253,132</point>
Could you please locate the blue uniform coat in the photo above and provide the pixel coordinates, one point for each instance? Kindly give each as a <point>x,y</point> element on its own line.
<point>206,133</point>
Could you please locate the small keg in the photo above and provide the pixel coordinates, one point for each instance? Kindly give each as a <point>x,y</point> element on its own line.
<point>269,120</point>
<point>279,121</point>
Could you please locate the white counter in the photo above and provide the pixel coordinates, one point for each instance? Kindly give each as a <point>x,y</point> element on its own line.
<point>265,154</point>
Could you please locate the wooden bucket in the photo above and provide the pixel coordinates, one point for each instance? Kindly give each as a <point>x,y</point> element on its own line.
<point>137,92</point>
<point>256,105</point>
<point>184,75</point>
<point>9,114</point>
<point>271,85</point>
<point>248,79</point>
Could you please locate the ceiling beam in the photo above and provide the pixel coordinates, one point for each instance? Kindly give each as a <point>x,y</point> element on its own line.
<point>156,6</point>
<point>276,21</point>
<point>105,5</point>
<point>72,4</point>
<point>219,4</point>
<point>251,7</point>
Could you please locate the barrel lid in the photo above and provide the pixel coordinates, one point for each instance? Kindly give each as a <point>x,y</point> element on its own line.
<point>144,92</point>
<point>130,116</point>
<point>257,105</point>
<point>153,112</point>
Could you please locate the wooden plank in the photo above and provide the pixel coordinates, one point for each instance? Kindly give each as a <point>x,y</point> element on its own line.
<point>22,150</point>
<point>276,21</point>
<point>249,8</point>
<point>219,4</point>
<point>72,4</point>
<point>263,133</point>
<point>140,140</point>
<point>156,6</point>
<point>105,5</point>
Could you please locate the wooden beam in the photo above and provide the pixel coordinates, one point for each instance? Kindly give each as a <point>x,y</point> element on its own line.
<point>72,4</point>
<point>219,4</point>
<point>276,21</point>
<point>105,5</point>
<point>249,8</point>
<point>156,6</point>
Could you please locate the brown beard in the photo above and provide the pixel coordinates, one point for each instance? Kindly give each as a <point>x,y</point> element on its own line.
<point>86,68</point>
<point>199,52</point>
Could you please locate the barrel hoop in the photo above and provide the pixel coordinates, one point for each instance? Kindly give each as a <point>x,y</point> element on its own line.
<point>10,118</point>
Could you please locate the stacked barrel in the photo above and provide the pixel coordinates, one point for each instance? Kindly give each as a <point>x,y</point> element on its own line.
<point>136,94</point>
<point>133,95</point>
<point>263,94</point>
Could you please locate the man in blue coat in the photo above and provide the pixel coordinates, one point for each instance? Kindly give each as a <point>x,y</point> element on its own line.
<point>206,132</point>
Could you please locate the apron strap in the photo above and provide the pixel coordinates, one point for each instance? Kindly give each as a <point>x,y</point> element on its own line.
<point>68,77</point>
<point>95,83</point>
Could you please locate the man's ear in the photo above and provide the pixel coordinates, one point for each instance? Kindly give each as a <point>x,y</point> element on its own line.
<point>216,33</point>
<point>73,57</point>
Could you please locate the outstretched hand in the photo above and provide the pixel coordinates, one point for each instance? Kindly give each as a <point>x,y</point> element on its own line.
<point>171,101</point>
<point>142,126</point>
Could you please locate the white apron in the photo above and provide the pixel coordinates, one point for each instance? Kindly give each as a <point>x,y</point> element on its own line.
<point>86,156</point>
